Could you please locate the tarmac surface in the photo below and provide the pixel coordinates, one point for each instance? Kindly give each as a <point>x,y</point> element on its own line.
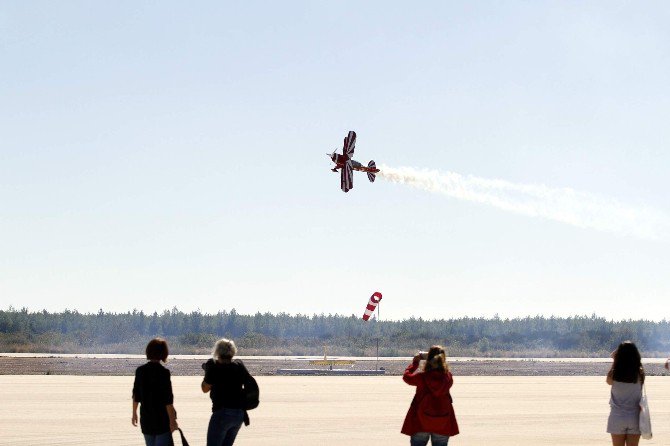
<point>333,410</point>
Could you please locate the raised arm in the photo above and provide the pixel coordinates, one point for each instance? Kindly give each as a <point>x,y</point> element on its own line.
<point>410,377</point>
<point>208,367</point>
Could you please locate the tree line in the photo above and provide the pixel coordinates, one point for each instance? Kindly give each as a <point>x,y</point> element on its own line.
<point>194,332</point>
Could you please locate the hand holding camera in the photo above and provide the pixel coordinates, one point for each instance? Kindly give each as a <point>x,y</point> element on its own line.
<point>421,356</point>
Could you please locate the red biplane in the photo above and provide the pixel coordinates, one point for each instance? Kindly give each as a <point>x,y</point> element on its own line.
<point>348,165</point>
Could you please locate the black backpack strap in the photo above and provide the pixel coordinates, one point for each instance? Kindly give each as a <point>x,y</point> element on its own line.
<point>183,438</point>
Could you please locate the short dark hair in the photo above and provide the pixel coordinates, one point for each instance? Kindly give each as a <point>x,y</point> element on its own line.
<point>157,350</point>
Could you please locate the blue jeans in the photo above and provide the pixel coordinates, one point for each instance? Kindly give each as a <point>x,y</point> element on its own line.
<point>223,427</point>
<point>159,440</point>
<point>421,439</point>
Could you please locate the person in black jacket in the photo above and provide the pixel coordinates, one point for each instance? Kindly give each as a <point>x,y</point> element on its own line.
<point>152,391</point>
<point>226,380</point>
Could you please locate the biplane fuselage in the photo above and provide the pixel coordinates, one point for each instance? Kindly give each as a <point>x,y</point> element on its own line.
<point>348,165</point>
<point>355,165</point>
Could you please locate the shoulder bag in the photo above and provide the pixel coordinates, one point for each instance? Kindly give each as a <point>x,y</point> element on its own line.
<point>645,417</point>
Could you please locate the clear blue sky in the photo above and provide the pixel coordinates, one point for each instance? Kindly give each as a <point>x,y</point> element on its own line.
<point>154,154</point>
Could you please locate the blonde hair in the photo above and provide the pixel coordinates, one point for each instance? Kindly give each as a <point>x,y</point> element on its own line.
<point>224,349</point>
<point>437,360</point>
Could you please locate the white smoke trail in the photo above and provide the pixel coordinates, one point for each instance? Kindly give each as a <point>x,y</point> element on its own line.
<point>560,204</point>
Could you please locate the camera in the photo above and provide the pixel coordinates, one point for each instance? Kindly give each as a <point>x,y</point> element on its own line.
<point>423,355</point>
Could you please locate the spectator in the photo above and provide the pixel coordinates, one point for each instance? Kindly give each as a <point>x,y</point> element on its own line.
<point>431,414</point>
<point>226,380</point>
<point>152,391</point>
<point>626,376</point>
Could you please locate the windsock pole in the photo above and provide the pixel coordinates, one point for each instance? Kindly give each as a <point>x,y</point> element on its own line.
<point>373,304</point>
<point>378,320</point>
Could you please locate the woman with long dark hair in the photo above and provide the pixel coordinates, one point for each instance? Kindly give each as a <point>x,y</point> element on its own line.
<point>152,391</point>
<point>431,414</point>
<point>626,376</point>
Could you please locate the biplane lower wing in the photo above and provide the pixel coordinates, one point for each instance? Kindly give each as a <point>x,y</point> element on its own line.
<point>347,177</point>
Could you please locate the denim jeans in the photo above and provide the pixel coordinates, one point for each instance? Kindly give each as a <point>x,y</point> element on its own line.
<point>223,427</point>
<point>421,439</point>
<point>159,440</point>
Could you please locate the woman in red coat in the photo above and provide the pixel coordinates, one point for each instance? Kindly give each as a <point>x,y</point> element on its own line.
<point>431,414</point>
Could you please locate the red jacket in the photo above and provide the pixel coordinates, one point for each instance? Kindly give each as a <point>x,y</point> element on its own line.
<point>439,384</point>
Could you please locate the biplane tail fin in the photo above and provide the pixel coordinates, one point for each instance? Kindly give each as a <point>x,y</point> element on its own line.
<point>371,175</point>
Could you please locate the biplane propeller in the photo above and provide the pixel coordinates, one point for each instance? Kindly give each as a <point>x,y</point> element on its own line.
<point>347,164</point>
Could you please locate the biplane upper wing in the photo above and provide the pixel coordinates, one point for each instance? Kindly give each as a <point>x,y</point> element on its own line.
<point>349,144</point>
<point>347,177</point>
